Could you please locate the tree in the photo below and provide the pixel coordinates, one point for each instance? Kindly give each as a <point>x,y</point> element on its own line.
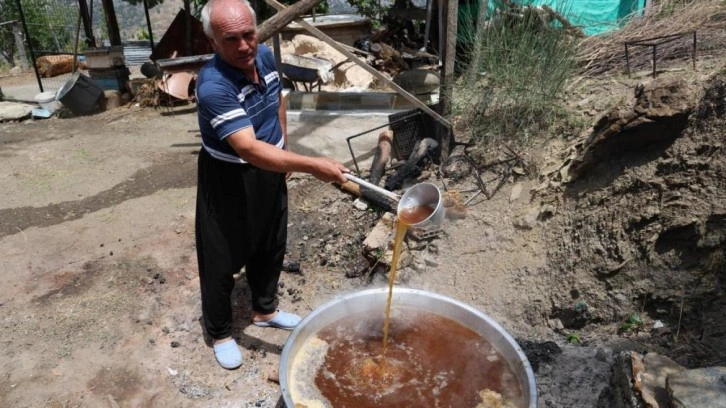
<point>8,13</point>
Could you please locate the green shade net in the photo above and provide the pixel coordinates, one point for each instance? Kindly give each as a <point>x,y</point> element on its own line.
<point>592,16</point>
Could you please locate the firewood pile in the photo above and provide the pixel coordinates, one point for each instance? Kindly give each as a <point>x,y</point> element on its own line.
<point>606,53</point>
<point>396,45</point>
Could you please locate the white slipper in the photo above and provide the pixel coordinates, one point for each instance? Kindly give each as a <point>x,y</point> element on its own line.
<point>228,354</point>
<point>282,320</point>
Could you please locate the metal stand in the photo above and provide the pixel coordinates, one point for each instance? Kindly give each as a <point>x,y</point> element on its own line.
<point>655,42</point>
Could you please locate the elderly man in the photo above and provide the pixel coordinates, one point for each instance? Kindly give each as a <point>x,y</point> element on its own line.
<point>241,214</point>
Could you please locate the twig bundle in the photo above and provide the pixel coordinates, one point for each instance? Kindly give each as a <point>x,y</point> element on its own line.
<point>606,53</point>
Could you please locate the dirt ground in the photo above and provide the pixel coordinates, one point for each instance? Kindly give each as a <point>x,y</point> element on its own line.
<point>100,300</point>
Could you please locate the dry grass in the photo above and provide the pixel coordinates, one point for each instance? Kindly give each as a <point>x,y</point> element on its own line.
<point>606,53</point>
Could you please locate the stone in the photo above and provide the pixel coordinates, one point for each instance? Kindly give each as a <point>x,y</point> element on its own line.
<point>516,192</point>
<point>111,99</point>
<point>527,219</point>
<point>430,261</point>
<point>567,376</point>
<point>418,81</point>
<point>701,387</point>
<point>619,391</point>
<point>378,239</point>
<point>555,324</point>
<point>546,212</point>
<point>14,111</point>
<point>360,204</point>
<point>650,378</point>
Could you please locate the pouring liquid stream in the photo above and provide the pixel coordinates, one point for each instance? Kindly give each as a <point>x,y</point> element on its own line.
<point>407,216</point>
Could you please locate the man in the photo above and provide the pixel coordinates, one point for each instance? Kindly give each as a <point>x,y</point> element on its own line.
<point>241,215</point>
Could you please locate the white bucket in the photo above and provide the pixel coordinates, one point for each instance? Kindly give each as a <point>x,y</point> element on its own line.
<point>48,101</point>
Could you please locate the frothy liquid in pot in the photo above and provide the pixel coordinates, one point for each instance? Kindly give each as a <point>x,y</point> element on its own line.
<point>431,361</point>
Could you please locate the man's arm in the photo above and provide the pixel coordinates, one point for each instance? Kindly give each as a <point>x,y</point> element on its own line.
<point>269,157</point>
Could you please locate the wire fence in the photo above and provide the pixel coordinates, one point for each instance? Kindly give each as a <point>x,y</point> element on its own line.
<point>50,29</point>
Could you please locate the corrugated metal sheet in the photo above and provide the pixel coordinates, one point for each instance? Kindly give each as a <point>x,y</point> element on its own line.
<point>137,53</point>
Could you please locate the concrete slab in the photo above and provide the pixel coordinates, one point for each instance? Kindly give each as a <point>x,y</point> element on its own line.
<point>319,133</point>
<point>14,111</point>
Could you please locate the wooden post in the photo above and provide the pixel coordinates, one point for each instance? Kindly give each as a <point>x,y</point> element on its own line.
<point>188,27</point>
<point>114,35</point>
<point>22,57</point>
<point>87,27</point>
<point>27,35</point>
<point>449,30</point>
<point>148,25</point>
<point>277,52</point>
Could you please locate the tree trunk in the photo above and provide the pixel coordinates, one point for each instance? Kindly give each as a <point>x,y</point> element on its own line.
<point>381,156</point>
<point>20,42</point>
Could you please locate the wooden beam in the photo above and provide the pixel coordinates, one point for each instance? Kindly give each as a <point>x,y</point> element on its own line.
<point>188,27</point>
<point>284,17</point>
<point>450,16</point>
<point>339,47</point>
<point>114,35</point>
<point>87,25</point>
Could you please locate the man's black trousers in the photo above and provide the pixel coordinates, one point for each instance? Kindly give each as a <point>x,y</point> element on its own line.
<point>241,220</point>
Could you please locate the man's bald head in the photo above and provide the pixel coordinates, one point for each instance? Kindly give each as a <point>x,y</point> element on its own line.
<point>214,6</point>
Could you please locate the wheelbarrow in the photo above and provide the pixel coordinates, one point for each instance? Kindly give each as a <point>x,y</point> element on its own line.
<point>309,71</point>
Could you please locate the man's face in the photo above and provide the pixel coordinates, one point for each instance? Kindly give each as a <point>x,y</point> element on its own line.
<point>235,35</point>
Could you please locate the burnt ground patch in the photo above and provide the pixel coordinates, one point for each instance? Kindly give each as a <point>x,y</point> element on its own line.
<point>176,172</point>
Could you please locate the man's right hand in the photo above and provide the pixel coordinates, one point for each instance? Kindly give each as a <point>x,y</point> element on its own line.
<point>329,170</point>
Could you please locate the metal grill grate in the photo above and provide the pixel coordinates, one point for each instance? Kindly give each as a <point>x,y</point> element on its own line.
<point>407,129</point>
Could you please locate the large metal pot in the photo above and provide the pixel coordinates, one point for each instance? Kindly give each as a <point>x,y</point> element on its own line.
<point>374,300</point>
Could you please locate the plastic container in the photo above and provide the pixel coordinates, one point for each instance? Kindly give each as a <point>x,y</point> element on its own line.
<point>80,94</point>
<point>47,100</point>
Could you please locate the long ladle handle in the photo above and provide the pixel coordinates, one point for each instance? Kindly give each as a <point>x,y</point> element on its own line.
<point>382,191</point>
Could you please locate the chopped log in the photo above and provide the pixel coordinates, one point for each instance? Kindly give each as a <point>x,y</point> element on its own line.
<point>54,65</point>
<point>381,156</point>
<point>422,150</point>
<point>274,24</point>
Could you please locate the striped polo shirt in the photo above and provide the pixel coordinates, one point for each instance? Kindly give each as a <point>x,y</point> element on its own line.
<point>227,102</point>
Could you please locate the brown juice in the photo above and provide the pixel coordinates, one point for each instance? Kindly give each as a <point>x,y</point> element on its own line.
<point>431,361</point>
<point>408,216</point>
<point>414,215</point>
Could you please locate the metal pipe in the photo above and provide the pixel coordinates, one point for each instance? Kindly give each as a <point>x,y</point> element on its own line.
<point>148,25</point>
